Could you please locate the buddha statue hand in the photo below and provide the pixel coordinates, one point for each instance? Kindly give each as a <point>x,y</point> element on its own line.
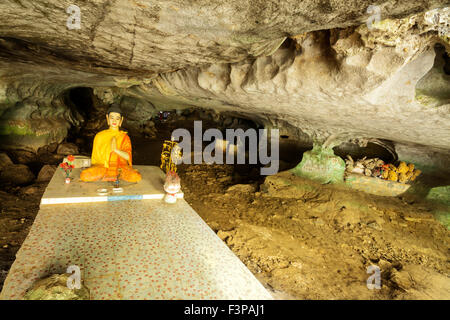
<point>113,144</point>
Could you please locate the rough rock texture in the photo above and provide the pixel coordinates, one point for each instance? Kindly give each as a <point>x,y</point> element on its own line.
<point>322,165</point>
<point>312,68</point>
<point>55,288</point>
<point>149,37</point>
<point>46,173</point>
<point>4,161</point>
<point>16,174</point>
<point>241,188</point>
<point>361,93</point>
<point>67,148</point>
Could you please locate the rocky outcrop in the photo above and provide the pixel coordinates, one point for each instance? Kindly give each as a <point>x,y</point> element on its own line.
<point>145,38</point>
<point>325,84</point>
<point>16,175</point>
<point>67,148</point>
<point>4,161</point>
<point>55,287</point>
<point>315,70</point>
<point>46,173</point>
<point>29,121</point>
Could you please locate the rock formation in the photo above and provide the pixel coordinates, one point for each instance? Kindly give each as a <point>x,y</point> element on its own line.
<point>318,70</point>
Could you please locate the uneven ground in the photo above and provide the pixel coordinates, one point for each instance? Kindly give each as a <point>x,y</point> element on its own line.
<point>19,207</point>
<point>307,248</point>
<point>313,244</point>
<point>319,245</point>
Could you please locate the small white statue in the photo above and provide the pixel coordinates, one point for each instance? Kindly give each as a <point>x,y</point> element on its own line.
<point>172,187</point>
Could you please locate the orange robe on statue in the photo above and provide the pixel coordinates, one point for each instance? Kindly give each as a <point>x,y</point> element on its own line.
<point>105,163</point>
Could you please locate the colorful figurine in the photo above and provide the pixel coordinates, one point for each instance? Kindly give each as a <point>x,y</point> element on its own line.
<point>111,152</point>
<point>170,155</point>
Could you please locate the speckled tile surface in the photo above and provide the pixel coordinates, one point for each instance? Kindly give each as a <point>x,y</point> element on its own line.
<point>58,192</point>
<point>143,249</point>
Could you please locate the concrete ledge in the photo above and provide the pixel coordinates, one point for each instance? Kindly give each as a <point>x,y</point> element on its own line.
<point>376,186</point>
<point>150,187</point>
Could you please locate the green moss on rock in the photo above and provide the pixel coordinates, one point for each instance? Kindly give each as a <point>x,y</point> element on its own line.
<point>440,194</point>
<point>428,101</point>
<point>443,217</point>
<point>7,129</point>
<point>322,165</point>
<point>55,288</point>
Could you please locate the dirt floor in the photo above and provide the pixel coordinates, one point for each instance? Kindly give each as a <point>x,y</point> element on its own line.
<point>18,208</point>
<point>318,244</point>
<point>313,242</point>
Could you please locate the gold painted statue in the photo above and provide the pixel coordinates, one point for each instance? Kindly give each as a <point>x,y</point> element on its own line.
<point>111,153</point>
<point>170,155</point>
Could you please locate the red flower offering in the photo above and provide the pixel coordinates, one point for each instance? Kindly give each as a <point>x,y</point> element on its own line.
<point>68,165</point>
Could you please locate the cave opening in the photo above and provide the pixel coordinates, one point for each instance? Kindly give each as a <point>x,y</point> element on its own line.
<point>445,57</point>
<point>80,98</point>
<point>90,112</point>
<point>149,133</point>
<point>155,131</point>
<point>384,151</point>
<point>432,89</point>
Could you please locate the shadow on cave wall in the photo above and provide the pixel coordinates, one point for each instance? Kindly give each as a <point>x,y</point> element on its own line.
<point>433,89</point>
<point>372,150</point>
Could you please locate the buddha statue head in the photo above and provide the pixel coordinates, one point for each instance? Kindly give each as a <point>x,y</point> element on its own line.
<point>114,117</point>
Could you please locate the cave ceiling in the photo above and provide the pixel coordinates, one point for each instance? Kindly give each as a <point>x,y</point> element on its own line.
<point>316,66</point>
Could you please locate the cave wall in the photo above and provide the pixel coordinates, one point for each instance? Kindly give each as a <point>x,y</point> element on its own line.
<point>313,69</point>
<point>144,38</point>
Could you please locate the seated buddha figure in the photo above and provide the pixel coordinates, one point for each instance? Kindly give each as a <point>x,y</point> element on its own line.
<point>111,153</point>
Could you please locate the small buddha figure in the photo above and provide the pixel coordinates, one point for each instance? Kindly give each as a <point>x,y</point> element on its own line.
<point>111,153</point>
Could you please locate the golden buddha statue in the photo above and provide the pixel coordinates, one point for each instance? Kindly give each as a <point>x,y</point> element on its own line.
<point>111,153</point>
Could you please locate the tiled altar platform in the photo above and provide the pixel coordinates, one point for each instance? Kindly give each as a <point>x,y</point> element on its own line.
<point>131,249</point>
<point>150,187</point>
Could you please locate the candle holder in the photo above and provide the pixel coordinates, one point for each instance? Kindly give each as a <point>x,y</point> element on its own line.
<point>116,183</point>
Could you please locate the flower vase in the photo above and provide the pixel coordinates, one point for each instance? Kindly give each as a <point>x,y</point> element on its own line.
<point>67,180</point>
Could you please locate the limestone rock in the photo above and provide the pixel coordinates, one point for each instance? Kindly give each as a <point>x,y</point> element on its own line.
<point>322,165</point>
<point>402,278</point>
<point>23,156</point>
<point>50,148</point>
<point>148,38</point>
<point>51,158</point>
<point>35,123</point>
<point>285,64</point>
<point>46,173</point>
<point>4,160</point>
<point>67,149</point>
<point>55,288</point>
<point>224,235</point>
<point>30,190</point>
<point>242,188</point>
<point>16,174</point>
<point>150,132</point>
<point>226,179</point>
